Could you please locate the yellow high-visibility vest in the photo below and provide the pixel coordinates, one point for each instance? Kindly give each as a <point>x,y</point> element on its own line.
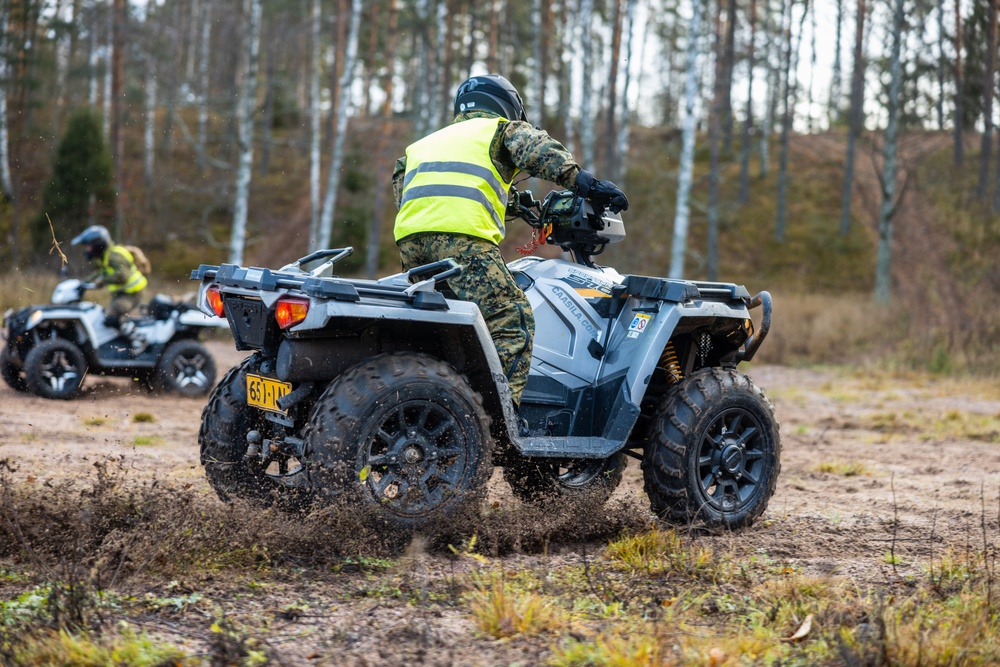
<point>136,282</point>
<point>451,184</point>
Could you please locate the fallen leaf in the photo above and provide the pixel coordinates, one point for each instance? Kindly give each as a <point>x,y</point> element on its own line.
<point>364,473</point>
<point>803,630</point>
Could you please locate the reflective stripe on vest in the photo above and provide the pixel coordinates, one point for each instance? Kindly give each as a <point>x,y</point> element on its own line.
<point>136,282</point>
<point>451,184</point>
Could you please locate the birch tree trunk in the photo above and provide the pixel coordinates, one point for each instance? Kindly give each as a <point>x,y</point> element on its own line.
<point>244,129</point>
<point>989,87</point>
<point>624,126</point>
<point>714,130</point>
<point>683,210</point>
<point>609,132</point>
<point>748,120</point>
<point>149,139</point>
<point>939,102</point>
<point>728,61</point>
<point>117,114</point>
<point>566,75</point>
<point>204,82</point>
<point>6,183</point>
<point>108,69</point>
<point>315,116</point>
<point>587,87</point>
<point>92,62</point>
<point>773,86</point>
<point>856,117</point>
<point>833,104</point>
<point>786,122</point>
<point>959,115</point>
<point>340,132</point>
<point>883,260</point>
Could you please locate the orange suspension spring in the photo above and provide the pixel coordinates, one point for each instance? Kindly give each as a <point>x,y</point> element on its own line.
<point>671,364</point>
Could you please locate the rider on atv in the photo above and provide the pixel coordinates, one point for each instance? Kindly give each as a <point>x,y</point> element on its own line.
<point>116,269</point>
<point>452,190</point>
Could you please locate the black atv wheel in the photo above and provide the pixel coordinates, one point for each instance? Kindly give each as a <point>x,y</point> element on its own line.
<point>11,374</point>
<point>402,436</point>
<point>538,479</point>
<point>187,368</point>
<point>714,451</point>
<point>55,368</point>
<point>225,422</point>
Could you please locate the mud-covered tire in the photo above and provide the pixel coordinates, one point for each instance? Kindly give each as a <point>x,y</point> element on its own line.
<point>11,374</point>
<point>186,367</point>
<point>403,438</point>
<point>714,451</point>
<point>55,368</point>
<point>225,422</point>
<point>538,479</point>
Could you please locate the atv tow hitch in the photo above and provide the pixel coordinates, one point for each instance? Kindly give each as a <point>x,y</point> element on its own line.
<point>258,448</point>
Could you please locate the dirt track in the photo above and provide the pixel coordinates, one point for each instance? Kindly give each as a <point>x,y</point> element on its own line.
<point>857,452</point>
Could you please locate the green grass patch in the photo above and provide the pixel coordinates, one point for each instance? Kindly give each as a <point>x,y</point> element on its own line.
<point>843,468</point>
<point>82,649</point>
<point>147,440</point>
<point>143,418</point>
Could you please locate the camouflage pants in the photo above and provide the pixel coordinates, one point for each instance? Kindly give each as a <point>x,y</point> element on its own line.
<point>485,281</point>
<point>121,304</point>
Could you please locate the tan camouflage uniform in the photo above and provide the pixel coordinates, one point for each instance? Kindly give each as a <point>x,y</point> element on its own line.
<point>485,279</point>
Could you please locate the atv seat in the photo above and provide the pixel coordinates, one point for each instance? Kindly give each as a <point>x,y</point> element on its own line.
<point>160,306</point>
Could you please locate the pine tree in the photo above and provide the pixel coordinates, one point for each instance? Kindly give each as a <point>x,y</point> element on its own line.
<point>80,190</point>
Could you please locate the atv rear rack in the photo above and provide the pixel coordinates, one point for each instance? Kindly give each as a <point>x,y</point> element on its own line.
<point>422,293</point>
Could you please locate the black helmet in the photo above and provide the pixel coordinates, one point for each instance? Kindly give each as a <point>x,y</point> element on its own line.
<point>490,92</point>
<point>95,240</point>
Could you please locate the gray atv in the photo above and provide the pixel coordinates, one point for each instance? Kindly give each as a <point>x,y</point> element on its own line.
<point>49,349</point>
<point>388,394</point>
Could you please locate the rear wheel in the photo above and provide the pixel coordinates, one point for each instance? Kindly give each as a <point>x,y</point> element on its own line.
<point>55,368</point>
<point>538,479</point>
<point>225,422</point>
<point>11,374</point>
<point>402,436</point>
<point>714,451</point>
<point>187,368</point>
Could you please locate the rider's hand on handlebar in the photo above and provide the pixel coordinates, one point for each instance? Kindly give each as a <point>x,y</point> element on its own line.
<point>601,193</point>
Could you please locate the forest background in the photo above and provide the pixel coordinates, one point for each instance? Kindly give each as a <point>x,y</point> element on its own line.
<point>837,153</point>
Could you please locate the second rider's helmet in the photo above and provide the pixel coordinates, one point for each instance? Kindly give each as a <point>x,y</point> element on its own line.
<point>490,92</point>
<point>94,239</point>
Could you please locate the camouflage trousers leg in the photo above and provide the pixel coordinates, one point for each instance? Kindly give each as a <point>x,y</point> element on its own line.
<point>485,281</point>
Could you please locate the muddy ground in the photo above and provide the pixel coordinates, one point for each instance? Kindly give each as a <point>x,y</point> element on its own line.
<point>871,463</point>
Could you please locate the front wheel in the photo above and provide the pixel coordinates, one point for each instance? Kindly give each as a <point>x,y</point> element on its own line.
<point>187,368</point>
<point>55,368</point>
<point>11,374</point>
<point>714,451</point>
<point>537,479</point>
<point>402,436</point>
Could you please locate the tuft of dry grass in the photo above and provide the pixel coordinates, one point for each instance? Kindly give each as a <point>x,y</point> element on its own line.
<point>501,609</point>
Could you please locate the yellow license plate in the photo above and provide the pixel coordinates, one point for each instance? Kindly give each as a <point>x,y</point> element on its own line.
<point>264,392</point>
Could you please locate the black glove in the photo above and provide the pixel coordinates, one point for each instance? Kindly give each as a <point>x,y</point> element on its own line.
<point>604,194</point>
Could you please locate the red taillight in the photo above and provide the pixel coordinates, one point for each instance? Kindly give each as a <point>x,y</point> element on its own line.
<point>214,298</point>
<point>290,312</point>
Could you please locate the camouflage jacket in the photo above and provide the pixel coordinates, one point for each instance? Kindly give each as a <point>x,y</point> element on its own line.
<point>516,145</point>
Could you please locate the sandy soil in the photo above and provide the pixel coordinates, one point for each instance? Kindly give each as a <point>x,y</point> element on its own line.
<point>894,449</point>
<point>869,465</point>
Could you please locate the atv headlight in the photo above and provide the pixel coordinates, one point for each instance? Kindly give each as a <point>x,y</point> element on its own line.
<point>35,318</point>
